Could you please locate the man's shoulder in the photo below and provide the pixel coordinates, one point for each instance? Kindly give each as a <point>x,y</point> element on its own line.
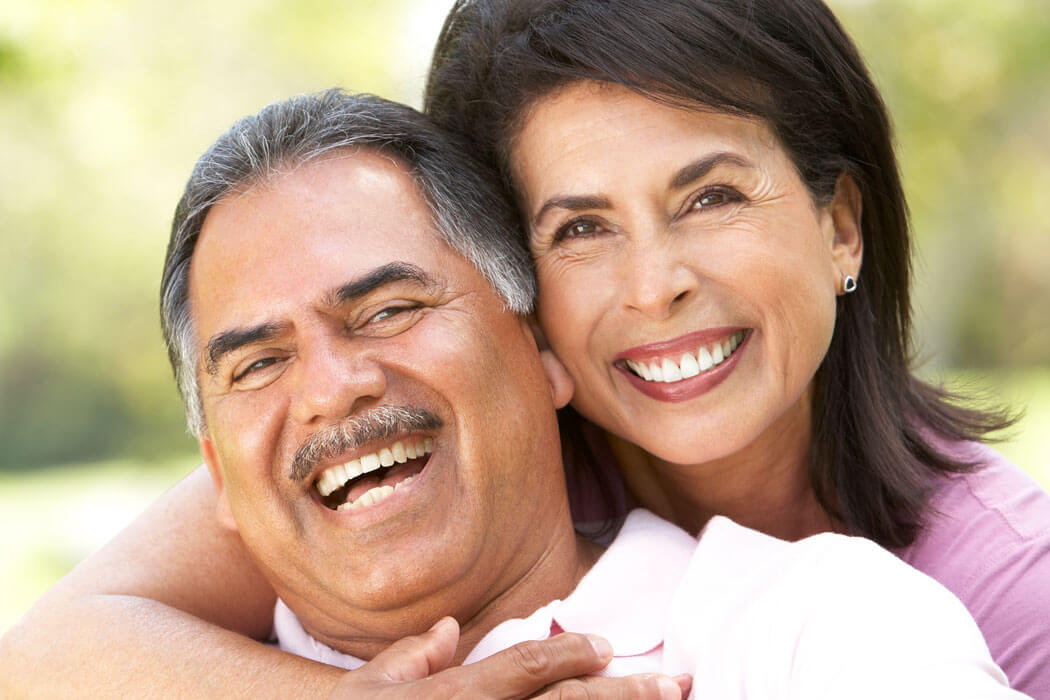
<point>813,614</point>
<point>746,565</point>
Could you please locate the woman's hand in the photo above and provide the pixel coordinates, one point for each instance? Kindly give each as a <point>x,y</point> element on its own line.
<point>418,667</point>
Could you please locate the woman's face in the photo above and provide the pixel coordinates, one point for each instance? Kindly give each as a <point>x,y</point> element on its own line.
<point>687,279</point>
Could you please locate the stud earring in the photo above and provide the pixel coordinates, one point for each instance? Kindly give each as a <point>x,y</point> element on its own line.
<point>849,285</point>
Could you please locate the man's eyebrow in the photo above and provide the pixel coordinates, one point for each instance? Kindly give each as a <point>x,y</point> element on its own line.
<point>571,203</point>
<point>702,166</point>
<point>227,342</point>
<point>380,277</point>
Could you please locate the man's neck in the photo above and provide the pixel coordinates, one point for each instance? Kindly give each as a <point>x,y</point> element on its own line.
<point>552,577</point>
<point>545,564</point>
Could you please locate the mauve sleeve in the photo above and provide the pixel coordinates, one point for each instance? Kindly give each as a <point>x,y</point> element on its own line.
<point>988,541</point>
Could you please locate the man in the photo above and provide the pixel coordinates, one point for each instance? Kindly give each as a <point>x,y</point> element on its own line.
<point>343,300</point>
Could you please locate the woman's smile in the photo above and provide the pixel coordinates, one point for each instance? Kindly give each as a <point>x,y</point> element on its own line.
<point>685,367</point>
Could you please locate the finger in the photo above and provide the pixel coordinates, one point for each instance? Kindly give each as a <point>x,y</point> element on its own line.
<point>685,683</point>
<point>528,667</point>
<point>643,686</point>
<point>415,658</point>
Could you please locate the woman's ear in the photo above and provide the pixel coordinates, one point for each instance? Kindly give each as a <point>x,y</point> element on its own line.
<point>558,377</point>
<point>847,241</point>
<point>222,506</point>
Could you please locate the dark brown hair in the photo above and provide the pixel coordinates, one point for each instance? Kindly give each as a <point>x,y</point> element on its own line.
<point>878,430</point>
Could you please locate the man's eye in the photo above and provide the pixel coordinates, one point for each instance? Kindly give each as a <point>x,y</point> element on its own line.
<point>255,367</point>
<point>389,313</point>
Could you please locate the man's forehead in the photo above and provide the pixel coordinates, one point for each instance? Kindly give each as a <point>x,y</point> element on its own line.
<point>350,209</point>
<point>309,232</point>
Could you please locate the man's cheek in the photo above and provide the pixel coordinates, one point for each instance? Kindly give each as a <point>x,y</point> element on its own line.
<point>247,430</point>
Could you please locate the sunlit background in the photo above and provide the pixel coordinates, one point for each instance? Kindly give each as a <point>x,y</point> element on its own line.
<point>106,104</point>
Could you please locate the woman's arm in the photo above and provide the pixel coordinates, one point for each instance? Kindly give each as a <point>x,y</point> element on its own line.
<point>173,605</point>
<point>169,606</point>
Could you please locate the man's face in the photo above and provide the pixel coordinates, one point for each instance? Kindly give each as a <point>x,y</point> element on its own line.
<point>321,299</point>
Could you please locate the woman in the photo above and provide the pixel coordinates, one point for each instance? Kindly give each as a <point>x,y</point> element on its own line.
<point>700,182</point>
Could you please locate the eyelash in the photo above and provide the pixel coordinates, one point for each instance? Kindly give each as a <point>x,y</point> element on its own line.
<point>265,362</point>
<point>730,195</point>
<point>393,311</point>
<point>254,367</point>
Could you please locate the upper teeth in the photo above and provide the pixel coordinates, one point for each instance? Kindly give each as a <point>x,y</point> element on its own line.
<point>400,452</point>
<point>675,369</point>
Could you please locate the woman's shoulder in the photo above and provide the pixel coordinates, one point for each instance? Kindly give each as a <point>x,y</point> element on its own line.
<point>987,539</point>
<point>997,504</point>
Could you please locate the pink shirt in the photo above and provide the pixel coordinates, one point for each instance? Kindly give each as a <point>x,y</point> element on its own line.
<point>750,616</point>
<point>987,540</point>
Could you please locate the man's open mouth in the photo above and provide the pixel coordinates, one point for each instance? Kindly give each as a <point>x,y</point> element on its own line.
<point>372,478</point>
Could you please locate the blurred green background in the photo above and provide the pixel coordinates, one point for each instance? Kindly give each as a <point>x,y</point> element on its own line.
<point>105,105</point>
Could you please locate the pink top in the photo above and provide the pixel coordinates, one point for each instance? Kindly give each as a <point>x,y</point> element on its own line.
<point>987,540</point>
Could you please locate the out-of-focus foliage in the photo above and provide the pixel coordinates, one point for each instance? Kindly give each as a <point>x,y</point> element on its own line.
<point>105,104</point>
<point>968,85</point>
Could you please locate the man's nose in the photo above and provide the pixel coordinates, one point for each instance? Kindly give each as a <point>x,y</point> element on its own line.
<point>334,380</point>
<point>655,280</point>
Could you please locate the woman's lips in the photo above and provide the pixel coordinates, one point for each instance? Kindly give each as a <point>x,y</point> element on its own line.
<point>685,367</point>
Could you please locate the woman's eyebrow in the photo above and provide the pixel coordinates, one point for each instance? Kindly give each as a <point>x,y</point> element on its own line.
<point>684,176</point>
<point>702,166</point>
<point>572,203</point>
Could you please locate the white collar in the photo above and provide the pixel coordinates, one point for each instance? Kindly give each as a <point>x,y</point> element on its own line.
<point>625,598</point>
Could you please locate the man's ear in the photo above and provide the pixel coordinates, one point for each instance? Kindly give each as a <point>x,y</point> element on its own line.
<point>222,506</point>
<point>847,241</point>
<point>537,332</point>
<point>558,377</point>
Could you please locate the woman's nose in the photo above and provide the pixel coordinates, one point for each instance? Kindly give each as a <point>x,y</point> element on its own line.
<point>656,281</point>
<point>333,380</point>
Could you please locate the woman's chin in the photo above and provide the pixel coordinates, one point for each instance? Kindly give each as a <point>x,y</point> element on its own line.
<point>684,448</point>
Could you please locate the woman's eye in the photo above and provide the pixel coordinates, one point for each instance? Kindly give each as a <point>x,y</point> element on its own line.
<point>577,229</point>
<point>710,199</point>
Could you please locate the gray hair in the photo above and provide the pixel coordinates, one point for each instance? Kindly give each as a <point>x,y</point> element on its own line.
<point>469,210</point>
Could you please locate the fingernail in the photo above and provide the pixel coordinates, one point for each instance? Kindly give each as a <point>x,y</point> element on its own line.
<point>685,682</point>
<point>669,690</point>
<point>601,646</point>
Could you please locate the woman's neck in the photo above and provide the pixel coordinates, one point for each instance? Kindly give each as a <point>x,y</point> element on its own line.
<point>765,486</point>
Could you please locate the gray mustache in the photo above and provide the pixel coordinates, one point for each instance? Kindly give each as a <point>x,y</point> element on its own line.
<point>357,430</point>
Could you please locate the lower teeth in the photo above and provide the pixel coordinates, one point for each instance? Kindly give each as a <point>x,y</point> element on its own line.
<point>374,495</point>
